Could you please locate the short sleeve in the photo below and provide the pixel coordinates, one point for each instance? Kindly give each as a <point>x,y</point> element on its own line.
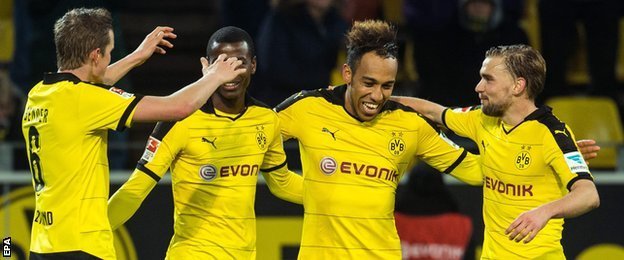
<point>463,121</point>
<point>102,108</point>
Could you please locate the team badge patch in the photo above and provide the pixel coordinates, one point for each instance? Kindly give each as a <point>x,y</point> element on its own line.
<point>328,165</point>
<point>208,172</point>
<point>396,146</point>
<point>523,158</point>
<point>576,162</point>
<point>261,138</point>
<point>150,149</point>
<point>120,92</point>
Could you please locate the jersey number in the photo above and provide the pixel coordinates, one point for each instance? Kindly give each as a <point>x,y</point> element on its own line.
<point>34,147</point>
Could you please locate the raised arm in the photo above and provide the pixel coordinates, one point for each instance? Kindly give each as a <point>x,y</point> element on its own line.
<point>582,198</point>
<point>431,110</point>
<point>187,100</point>
<point>154,42</point>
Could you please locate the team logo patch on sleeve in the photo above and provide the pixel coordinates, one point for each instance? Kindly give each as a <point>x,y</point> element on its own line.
<point>150,149</point>
<point>576,162</point>
<point>462,109</point>
<point>120,92</point>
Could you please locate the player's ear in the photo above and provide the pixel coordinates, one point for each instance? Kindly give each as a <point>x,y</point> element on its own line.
<point>346,73</point>
<point>95,54</point>
<point>519,86</point>
<point>253,65</point>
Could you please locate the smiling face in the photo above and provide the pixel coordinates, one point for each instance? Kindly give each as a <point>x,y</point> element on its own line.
<point>370,85</point>
<point>495,87</point>
<point>234,90</point>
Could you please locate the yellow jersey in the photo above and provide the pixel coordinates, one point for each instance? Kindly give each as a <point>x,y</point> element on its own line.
<point>351,170</point>
<point>65,126</point>
<point>525,166</point>
<point>214,159</point>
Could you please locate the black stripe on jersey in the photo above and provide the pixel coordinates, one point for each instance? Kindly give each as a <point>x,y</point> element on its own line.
<point>274,168</point>
<point>444,117</point>
<point>249,102</point>
<point>161,129</point>
<point>52,77</point>
<point>457,162</point>
<point>147,171</point>
<point>557,128</point>
<point>299,96</point>
<point>124,117</point>
<point>581,176</point>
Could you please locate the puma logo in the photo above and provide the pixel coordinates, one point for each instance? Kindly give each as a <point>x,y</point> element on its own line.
<point>561,132</point>
<point>204,139</point>
<point>333,134</point>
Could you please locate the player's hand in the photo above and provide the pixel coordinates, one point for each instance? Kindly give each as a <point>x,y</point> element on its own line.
<point>155,42</point>
<point>588,148</point>
<point>223,69</point>
<point>527,225</point>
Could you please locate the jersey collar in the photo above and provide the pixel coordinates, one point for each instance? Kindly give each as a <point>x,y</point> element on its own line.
<point>209,107</point>
<point>535,115</point>
<point>53,77</point>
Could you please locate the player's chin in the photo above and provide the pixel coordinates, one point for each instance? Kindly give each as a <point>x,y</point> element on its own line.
<point>368,115</point>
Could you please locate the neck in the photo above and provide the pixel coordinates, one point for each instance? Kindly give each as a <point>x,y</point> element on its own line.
<point>83,73</point>
<point>518,111</point>
<point>230,106</point>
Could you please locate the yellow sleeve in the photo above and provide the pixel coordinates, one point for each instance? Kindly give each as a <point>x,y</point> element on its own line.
<point>125,202</point>
<point>462,121</point>
<point>285,184</point>
<point>282,182</point>
<point>564,158</point>
<point>102,108</point>
<point>444,155</point>
<point>288,115</point>
<point>162,147</point>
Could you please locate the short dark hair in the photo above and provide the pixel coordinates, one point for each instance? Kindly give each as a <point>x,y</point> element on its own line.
<point>523,61</point>
<point>370,35</point>
<point>231,34</point>
<point>79,32</point>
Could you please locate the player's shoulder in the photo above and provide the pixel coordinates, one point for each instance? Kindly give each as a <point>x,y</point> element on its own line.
<point>555,128</point>
<point>405,115</point>
<point>71,82</point>
<point>334,96</point>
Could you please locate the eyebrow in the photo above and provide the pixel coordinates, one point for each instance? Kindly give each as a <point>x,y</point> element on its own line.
<point>376,81</point>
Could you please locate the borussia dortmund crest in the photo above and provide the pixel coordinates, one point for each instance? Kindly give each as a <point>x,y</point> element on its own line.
<point>523,159</point>
<point>261,138</point>
<point>396,146</point>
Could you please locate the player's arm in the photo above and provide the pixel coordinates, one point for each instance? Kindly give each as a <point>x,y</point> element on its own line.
<point>431,110</point>
<point>154,42</point>
<point>163,145</point>
<point>285,184</point>
<point>127,200</point>
<point>187,100</point>
<point>447,157</point>
<point>564,158</point>
<point>282,182</point>
<point>582,198</point>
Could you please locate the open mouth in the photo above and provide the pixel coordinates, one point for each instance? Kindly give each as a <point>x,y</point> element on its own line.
<point>231,85</point>
<point>370,107</point>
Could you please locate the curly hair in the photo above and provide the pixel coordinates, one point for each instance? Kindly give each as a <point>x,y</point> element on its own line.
<point>370,35</point>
